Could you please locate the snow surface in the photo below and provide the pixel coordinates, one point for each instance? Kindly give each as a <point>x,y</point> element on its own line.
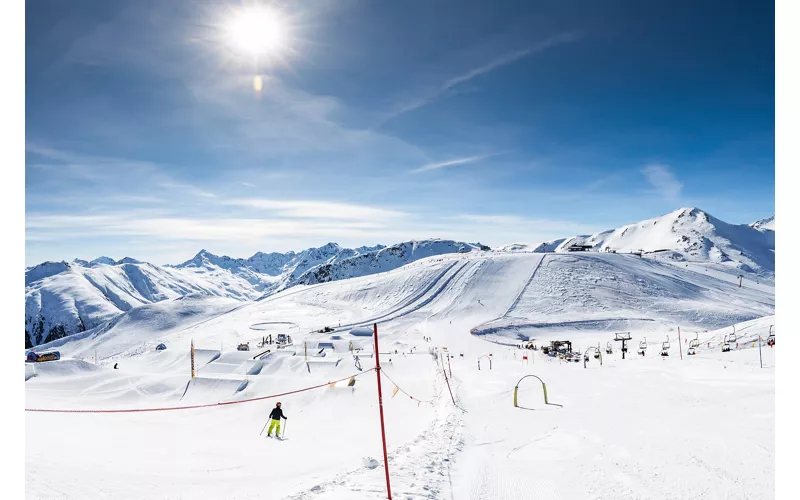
<point>65,298</point>
<point>647,427</point>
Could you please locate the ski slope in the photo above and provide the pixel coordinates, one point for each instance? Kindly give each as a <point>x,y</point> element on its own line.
<point>644,427</point>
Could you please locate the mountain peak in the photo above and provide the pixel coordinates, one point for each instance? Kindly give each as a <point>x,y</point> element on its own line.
<point>103,260</point>
<point>766,223</point>
<point>128,260</point>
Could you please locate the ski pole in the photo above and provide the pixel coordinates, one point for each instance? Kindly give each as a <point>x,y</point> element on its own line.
<point>265,426</point>
<point>285,424</point>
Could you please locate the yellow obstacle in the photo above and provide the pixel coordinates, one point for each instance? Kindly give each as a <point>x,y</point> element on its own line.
<point>544,390</point>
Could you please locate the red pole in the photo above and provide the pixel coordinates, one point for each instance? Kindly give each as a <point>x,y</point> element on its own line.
<point>380,406</point>
<point>448,365</point>
<point>448,382</point>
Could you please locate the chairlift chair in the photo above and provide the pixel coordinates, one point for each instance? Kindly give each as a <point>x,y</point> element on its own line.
<point>609,350</point>
<point>771,340</point>
<point>642,346</point>
<point>728,341</point>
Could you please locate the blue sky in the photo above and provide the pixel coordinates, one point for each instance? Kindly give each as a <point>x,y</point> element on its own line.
<point>381,121</point>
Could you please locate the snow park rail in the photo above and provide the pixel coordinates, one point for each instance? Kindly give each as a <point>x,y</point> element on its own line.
<point>208,405</point>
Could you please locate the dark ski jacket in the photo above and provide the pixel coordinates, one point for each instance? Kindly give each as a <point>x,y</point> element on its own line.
<point>276,414</point>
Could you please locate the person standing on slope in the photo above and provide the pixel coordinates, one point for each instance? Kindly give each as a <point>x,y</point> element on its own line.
<point>276,415</point>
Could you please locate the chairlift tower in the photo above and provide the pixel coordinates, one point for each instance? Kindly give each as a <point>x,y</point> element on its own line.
<point>623,337</point>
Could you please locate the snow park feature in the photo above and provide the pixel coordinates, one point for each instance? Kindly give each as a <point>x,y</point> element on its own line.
<point>544,392</point>
<point>450,430</point>
<point>34,357</point>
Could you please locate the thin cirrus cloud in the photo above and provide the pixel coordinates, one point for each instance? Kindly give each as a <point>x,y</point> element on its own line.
<point>188,188</point>
<point>663,181</point>
<point>498,62</point>
<point>449,163</point>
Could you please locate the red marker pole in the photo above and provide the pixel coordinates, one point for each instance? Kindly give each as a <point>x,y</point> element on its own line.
<point>380,407</point>
<point>448,365</point>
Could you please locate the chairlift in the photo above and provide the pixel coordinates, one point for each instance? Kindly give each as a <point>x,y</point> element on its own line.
<point>771,340</point>
<point>609,350</point>
<point>642,347</point>
<point>665,347</point>
<point>729,339</point>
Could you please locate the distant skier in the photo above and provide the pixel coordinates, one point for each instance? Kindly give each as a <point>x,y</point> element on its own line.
<point>276,415</point>
<point>115,365</point>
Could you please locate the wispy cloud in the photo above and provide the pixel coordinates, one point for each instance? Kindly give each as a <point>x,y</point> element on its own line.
<point>498,62</point>
<point>449,163</point>
<point>93,168</point>
<point>189,188</point>
<point>309,209</point>
<point>663,181</point>
<point>271,225</point>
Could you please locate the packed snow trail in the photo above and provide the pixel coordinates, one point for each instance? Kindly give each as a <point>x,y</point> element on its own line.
<point>525,288</point>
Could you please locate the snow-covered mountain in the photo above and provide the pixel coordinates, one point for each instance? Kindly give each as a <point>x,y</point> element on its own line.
<point>64,298</point>
<point>382,260</point>
<point>270,272</point>
<point>765,224</point>
<point>687,234</point>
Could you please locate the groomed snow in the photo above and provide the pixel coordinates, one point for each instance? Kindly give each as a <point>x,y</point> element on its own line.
<point>640,428</point>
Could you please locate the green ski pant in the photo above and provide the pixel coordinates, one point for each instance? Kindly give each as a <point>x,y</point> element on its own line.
<point>275,424</point>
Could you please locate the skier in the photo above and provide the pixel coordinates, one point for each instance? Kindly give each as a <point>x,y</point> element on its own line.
<point>115,365</point>
<point>276,416</point>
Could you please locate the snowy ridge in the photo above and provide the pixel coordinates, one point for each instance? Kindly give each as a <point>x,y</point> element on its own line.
<point>765,224</point>
<point>687,234</point>
<point>66,298</point>
<point>62,299</point>
<point>383,260</point>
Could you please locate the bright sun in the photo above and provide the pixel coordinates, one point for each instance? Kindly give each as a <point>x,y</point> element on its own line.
<point>256,31</point>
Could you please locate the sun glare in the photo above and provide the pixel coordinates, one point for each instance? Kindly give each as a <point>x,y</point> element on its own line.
<point>256,31</point>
